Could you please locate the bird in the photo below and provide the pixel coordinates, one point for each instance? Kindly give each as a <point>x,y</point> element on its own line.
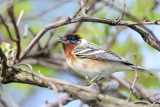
<point>91,60</point>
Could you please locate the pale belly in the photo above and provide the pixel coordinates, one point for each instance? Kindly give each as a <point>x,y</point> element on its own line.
<point>89,68</point>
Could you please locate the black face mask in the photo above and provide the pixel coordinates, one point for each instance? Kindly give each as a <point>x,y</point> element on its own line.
<point>73,39</point>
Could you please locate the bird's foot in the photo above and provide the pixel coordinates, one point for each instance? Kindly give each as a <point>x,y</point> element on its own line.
<point>99,84</point>
<point>88,81</point>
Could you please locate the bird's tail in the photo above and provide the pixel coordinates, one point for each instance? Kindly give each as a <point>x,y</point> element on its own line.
<point>143,70</point>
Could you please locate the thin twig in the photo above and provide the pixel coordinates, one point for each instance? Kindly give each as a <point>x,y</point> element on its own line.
<point>39,46</point>
<point>26,27</point>
<point>88,12</point>
<point>65,99</point>
<point>83,8</point>
<point>123,13</point>
<point>28,65</point>
<point>134,81</point>
<point>56,92</point>
<point>49,39</point>
<point>18,40</point>
<point>146,37</point>
<point>124,8</point>
<point>20,17</point>
<point>80,9</point>
<point>50,36</point>
<point>139,91</point>
<point>7,28</point>
<point>112,41</point>
<point>132,17</point>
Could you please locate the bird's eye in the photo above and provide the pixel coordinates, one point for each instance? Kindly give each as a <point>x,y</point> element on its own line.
<point>69,37</point>
<point>73,37</point>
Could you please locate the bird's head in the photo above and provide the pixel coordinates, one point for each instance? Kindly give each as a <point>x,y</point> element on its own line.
<point>72,39</point>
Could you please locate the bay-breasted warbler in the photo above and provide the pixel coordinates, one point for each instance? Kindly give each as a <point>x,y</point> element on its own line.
<point>91,60</point>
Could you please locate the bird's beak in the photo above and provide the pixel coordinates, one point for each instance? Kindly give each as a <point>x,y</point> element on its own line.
<point>62,39</point>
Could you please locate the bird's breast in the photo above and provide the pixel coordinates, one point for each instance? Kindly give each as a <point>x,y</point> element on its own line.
<point>85,66</point>
<point>68,50</point>
<point>89,67</point>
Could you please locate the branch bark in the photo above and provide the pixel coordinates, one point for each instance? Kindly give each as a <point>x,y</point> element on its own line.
<point>18,40</point>
<point>134,81</point>
<point>4,63</point>
<point>84,93</point>
<point>90,19</point>
<point>146,37</point>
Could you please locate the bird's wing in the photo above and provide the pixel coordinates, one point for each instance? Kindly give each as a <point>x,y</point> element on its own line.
<point>92,51</point>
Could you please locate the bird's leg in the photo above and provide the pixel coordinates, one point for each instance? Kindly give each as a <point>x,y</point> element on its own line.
<point>95,78</point>
<point>88,83</point>
<point>99,84</point>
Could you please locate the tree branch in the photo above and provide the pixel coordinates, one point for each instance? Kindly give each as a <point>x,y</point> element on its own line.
<point>132,17</point>
<point>18,40</point>
<point>20,17</point>
<point>134,81</point>
<point>7,28</point>
<point>39,46</point>
<point>65,99</point>
<point>4,63</point>
<point>146,37</point>
<point>83,91</point>
<point>81,19</point>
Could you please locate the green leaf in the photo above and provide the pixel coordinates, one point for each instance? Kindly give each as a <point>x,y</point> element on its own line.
<point>153,16</point>
<point>107,30</point>
<point>92,33</point>
<point>100,14</point>
<point>153,80</point>
<point>24,90</point>
<point>44,70</point>
<point>27,6</point>
<point>126,50</point>
<point>142,8</point>
<point>5,48</point>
